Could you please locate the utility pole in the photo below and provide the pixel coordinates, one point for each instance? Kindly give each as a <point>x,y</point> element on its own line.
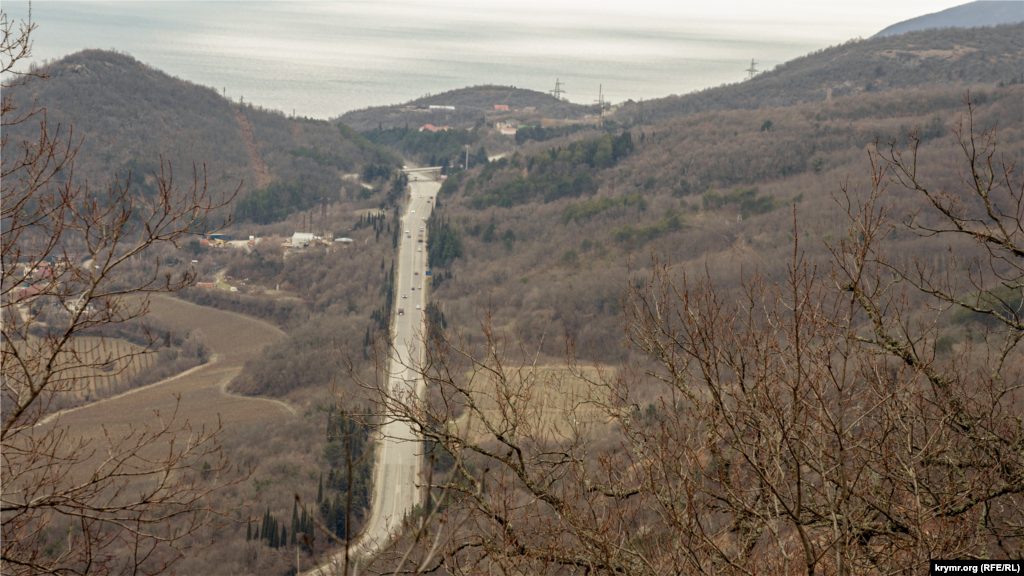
<point>600,103</point>
<point>467,156</point>
<point>752,70</point>
<point>323,217</point>
<point>557,92</point>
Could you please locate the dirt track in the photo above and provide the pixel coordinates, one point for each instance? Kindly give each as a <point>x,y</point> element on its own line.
<point>259,168</point>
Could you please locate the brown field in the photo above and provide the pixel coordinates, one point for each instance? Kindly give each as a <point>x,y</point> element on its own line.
<point>554,398</point>
<point>204,399</point>
<point>229,334</point>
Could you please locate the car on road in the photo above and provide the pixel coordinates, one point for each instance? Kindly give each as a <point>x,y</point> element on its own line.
<point>417,306</point>
<point>405,295</point>
<point>413,211</point>
<point>401,311</point>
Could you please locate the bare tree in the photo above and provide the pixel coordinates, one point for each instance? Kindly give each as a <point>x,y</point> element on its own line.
<point>828,421</point>
<point>133,501</point>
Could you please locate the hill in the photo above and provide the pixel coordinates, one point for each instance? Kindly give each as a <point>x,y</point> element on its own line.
<point>979,13</point>
<point>936,58</point>
<point>550,236</point>
<point>469,104</point>
<point>129,115</point>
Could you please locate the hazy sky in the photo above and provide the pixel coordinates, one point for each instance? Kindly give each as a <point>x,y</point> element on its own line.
<point>860,18</point>
<point>338,56</point>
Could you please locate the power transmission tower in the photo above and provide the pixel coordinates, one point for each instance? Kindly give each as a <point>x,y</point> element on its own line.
<point>557,92</point>
<point>752,70</point>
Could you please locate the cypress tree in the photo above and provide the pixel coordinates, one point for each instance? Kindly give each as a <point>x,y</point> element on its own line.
<point>284,536</point>
<point>339,521</point>
<point>248,532</point>
<point>320,490</point>
<point>295,517</point>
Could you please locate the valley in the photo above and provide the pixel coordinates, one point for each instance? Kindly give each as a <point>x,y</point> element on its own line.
<point>540,337</point>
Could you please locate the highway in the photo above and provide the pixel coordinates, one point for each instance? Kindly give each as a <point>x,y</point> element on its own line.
<point>399,454</point>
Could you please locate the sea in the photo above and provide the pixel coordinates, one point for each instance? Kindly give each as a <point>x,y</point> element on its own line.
<point>321,59</point>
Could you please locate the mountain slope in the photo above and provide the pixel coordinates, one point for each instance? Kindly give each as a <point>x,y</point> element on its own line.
<point>130,115</point>
<point>938,58</point>
<point>979,13</point>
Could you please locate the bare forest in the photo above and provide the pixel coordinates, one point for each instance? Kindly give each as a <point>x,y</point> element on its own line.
<point>766,328</point>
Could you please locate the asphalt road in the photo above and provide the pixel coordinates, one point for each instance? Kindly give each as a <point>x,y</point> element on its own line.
<point>399,456</point>
<point>399,461</point>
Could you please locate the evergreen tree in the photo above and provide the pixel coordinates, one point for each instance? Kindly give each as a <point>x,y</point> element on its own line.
<point>295,517</point>
<point>320,490</point>
<point>284,537</point>
<point>248,531</point>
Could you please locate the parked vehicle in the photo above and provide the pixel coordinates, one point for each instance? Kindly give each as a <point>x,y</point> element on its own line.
<point>401,311</point>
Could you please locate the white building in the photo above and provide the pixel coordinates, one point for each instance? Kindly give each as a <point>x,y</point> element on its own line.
<point>302,239</point>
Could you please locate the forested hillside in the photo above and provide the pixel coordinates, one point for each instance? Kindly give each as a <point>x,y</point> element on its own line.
<point>549,237</point>
<point>470,105</point>
<point>129,115</point>
<point>934,58</point>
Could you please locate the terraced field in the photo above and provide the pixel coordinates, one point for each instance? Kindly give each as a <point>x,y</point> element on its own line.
<point>200,394</point>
